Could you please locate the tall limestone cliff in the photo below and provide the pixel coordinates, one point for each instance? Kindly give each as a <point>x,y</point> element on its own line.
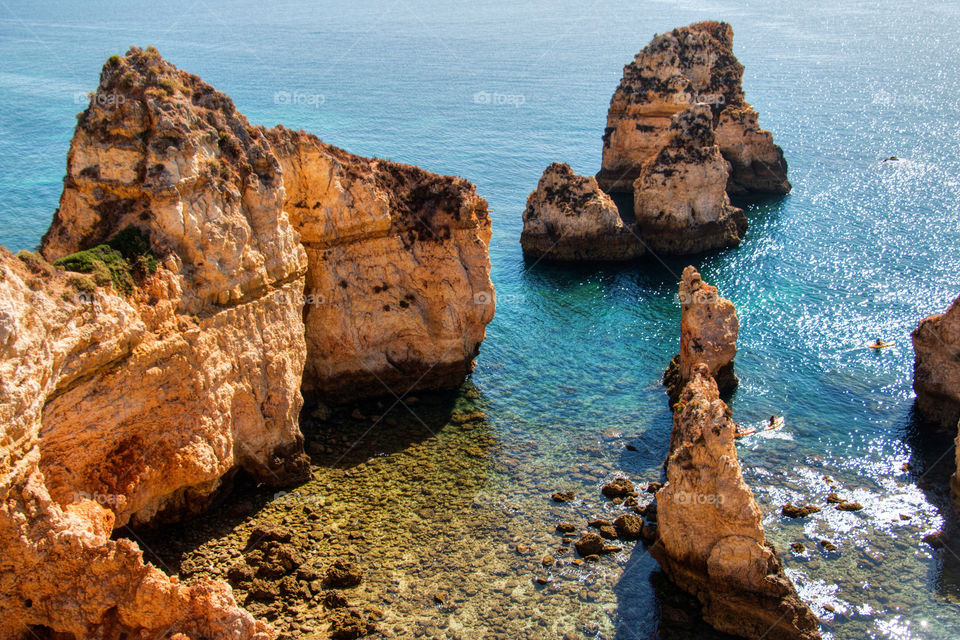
<point>711,541</point>
<point>167,350</point>
<point>63,345</point>
<point>210,382</point>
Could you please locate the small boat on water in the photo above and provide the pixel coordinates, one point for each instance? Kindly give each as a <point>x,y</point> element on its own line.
<point>879,345</point>
<point>775,422</point>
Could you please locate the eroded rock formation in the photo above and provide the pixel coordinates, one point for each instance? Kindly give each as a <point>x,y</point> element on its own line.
<point>680,199</point>
<point>708,335</point>
<point>569,219</point>
<point>59,569</point>
<point>131,395</point>
<point>936,372</point>
<point>680,137</point>
<point>711,541</point>
<point>207,376</point>
<point>677,70</point>
<point>398,286</point>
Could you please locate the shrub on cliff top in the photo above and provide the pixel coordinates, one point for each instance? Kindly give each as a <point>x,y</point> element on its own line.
<point>120,260</point>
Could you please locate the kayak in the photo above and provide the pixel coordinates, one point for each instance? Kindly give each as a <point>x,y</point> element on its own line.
<point>880,346</point>
<point>777,423</point>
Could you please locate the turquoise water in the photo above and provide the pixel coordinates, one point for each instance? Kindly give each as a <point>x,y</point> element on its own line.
<point>859,249</point>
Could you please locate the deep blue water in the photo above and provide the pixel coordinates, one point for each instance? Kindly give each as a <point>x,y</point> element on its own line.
<point>859,249</point>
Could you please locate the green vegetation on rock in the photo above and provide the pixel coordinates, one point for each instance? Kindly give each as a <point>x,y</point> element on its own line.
<point>120,260</point>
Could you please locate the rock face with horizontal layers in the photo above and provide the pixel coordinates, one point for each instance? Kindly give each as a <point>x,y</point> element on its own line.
<point>398,287</point>
<point>172,357</point>
<point>709,327</point>
<point>936,372</point>
<point>569,219</point>
<point>711,541</point>
<point>680,199</point>
<point>677,70</point>
<point>59,569</point>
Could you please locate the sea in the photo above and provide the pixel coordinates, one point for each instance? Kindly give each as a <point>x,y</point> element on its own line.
<point>568,378</point>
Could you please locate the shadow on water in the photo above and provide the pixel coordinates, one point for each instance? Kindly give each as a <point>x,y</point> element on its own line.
<point>346,436</point>
<point>341,441</point>
<point>932,463</point>
<point>648,274</point>
<point>650,606</point>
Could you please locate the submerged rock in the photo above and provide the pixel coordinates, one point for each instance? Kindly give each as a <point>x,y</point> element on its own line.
<point>569,219</point>
<point>792,511</point>
<point>711,541</point>
<point>629,527</point>
<point>709,328</point>
<point>619,488</point>
<point>342,574</point>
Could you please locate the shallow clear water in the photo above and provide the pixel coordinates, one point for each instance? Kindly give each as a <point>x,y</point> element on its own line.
<point>859,249</point>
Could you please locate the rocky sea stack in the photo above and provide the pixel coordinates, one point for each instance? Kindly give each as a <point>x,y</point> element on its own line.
<point>711,541</point>
<point>204,269</point>
<point>708,335</point>
<point>680,139</point>
<point>678,71</point>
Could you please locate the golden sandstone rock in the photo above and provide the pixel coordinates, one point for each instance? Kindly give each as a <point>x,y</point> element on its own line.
<point>686,67</point>
<point>136,404</point>
<point>680,137</point>
<point>568,218</point>
<point>708,335</point>
<point>711,541</point>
